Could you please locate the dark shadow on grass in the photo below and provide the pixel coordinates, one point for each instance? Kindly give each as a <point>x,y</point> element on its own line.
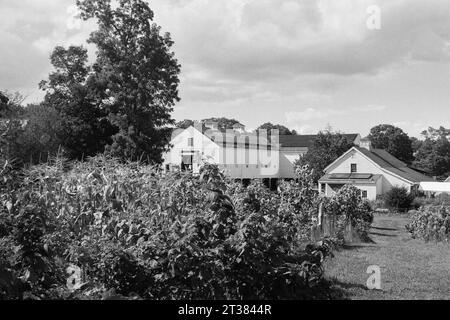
<point>328,290</point>
<point>385,229</point>
<point>383,234</point>
<point>340,289</point>
<point>355,246</point>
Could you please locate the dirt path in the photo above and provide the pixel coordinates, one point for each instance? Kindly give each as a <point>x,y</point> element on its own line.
<point>410,268</point>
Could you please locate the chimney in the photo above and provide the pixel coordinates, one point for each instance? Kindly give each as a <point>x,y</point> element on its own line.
<point>366,144</point>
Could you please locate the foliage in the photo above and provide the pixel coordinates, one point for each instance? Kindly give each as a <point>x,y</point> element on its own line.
<point>439,200</point>
<point>282,130</point>
<point>327,147</point>
<point>350,208</point>
<point>11,127</point>
<point>136,74</point>
<point>135,232</point>
<point>431,224</point>
<point>433,153</point>
<point>398,198</point>
<point>222,123</point>
<point>393,140</point>
<point>80,126</point>
<point>186,123</point>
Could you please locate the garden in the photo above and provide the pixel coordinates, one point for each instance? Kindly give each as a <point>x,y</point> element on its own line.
<point>102,229</point>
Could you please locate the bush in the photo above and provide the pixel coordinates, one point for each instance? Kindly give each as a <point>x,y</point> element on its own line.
<point>349,207</point>
<point>398,199</point>
<point>132,231</point>
<point>431,224</point>
<point>439,200</point>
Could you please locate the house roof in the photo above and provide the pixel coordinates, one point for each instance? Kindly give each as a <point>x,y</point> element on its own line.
<point>306,141</point>
<point>388,162</point>
<point>232,139</point>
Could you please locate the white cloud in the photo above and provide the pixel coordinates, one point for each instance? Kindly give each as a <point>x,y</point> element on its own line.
<point>370,108</point>
<point>312,114</point>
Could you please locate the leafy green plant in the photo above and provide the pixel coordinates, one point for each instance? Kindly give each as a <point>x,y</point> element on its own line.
<point>431,224</point>
<point>349,208</point>
<point>398,198</point>
<point>133,231</point>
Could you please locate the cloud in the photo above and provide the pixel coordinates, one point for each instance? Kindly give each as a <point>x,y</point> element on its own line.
<point>29,31</point>
<point>370,108</point>
<point>259,60</point>
<point>312,114</point>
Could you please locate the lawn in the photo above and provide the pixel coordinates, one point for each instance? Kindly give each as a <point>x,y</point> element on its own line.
<point>410,268</point>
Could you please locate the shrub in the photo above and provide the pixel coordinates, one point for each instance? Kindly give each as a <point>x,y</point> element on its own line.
<point>431,224</point>
<point>399,199</point>
<point>133,231</point>
<point>349,207</point>
<point>439,200</point>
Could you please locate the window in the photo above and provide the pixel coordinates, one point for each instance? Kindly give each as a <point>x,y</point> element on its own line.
<point>190,142</point>
<point>322,187</point>
<point>364,194</point>
<point>354,168</point>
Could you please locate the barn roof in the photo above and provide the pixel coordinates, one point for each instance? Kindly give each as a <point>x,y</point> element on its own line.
<point>390,163</point>
<point>306,141</point>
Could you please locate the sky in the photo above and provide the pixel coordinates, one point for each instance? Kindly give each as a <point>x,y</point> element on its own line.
<point>306,64</point>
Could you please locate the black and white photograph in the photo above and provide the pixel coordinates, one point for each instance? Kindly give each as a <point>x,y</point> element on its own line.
<point>223,156</point>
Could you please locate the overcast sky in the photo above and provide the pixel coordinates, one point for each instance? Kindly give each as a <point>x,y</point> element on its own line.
<point>301,63</point>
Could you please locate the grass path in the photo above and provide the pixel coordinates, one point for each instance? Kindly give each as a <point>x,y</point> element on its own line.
<point>410,268</point>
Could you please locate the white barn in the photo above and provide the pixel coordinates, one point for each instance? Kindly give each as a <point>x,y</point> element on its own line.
<point>241,154</point>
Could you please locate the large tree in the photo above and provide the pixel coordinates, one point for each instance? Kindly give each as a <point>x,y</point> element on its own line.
<point>393,140</point>
<point>135,76</point>
<point>73,92</point>
<point>433,154</point>
<point>327,147</point>
<point>281,129</point>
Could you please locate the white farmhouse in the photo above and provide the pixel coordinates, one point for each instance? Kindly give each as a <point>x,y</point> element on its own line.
<point>373,171</point>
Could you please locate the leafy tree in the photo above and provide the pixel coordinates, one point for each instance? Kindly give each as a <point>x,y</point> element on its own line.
<point>434,152</point>
<point>186,123</point>
<point>393,140</point>
<point>415,144</point>
<point>327,147</point>
<point>42,134</point>
<point>222,123</point>
<point>435,134</point>
<point>11,127</point>
<point>281,129</point>
<point>72,91</point>
<point>3,99</point>
<point>135,76</point>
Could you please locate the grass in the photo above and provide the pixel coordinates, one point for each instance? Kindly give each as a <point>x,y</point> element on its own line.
<point>410,268</point>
